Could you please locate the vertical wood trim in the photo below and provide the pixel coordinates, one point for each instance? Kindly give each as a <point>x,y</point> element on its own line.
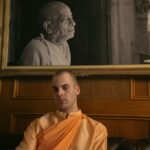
<point>0,87</point>
<point>5,33</point>
<point>15,88</point>
<point>12,123</point>
<point>1,23</point>
<point>149,88</point>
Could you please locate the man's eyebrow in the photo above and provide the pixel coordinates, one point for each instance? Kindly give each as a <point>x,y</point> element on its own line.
<point>65,84</point>
<point>65,16</point>
<point>61,85</point>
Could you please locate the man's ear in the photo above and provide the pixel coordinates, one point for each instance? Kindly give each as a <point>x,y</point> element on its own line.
<point>47,27</point>
<point>78,89</point>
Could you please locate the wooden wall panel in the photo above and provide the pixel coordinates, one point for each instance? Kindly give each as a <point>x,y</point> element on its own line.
<point>19,121</point>
<point>129,128</point>
<point>32,89</point>
<point>140,89</point>
<point>105,89</point>
<point>121,103</point>
<point>7,89</point>
<point>125,126</point>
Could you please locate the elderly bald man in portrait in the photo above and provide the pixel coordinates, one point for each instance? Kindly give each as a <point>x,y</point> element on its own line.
<point>51,47</point>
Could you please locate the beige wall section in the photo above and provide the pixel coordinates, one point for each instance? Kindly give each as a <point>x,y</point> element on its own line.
<point>121,103</point>
<point>123,32</point>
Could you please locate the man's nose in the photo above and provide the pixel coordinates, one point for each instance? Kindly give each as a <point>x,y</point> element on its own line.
<point>72,22</point>
<point>60,92</point>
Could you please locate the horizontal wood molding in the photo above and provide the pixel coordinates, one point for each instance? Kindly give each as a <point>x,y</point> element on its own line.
<point>118,117</point>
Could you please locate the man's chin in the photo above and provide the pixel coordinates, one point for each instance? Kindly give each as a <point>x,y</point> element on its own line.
<point>69,36</point>
<point>63,107</point>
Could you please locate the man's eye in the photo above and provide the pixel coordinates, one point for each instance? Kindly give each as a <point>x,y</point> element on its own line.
<point>65,87</point>
<point>64,20</point>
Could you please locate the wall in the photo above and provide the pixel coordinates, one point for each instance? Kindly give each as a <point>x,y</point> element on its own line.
<point>120,102</point>
<point>123,28</point>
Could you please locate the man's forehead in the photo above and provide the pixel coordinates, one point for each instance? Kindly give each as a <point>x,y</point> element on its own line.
<point>62,79</point>
<point>62,13</point>
<point>65,10</point>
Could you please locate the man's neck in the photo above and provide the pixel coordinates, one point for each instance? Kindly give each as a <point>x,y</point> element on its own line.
<point>55,40</point>
<point>69,111</point>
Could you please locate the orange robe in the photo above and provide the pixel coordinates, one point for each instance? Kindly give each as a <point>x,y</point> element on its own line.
<point>60,132</point>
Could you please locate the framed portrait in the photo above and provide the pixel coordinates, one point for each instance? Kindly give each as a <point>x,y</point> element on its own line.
<point>105,41</point>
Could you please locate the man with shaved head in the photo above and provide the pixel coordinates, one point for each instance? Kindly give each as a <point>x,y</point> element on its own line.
<point>67,128</point>
<point>51,47</point>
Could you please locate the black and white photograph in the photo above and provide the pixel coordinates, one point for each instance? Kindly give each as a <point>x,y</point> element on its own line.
<point>76,33</point>
<point>58,33</point>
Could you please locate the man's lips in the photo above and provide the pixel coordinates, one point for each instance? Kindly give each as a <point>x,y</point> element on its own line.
<point>61,100</point>
<point>71,30</point>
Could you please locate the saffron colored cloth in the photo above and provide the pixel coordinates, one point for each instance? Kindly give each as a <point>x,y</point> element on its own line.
<point>41,52</point>
<point>57,131</point>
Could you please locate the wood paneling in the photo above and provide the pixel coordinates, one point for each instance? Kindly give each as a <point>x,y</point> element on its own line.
<point>131,127</point>
<point>121,103</point>
<point>19,121</point>
<point>140,89</point>
<point>31,89</point>
<point>104,89</point>
<point>134,129</point>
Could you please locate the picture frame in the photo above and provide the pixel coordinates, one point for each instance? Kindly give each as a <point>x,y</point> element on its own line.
<point>85,68</point>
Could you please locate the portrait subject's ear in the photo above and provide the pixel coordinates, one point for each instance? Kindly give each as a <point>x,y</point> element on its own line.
<point>47,27</point>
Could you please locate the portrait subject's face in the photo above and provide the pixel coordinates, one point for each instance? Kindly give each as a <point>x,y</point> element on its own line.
<point>63,28</point>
